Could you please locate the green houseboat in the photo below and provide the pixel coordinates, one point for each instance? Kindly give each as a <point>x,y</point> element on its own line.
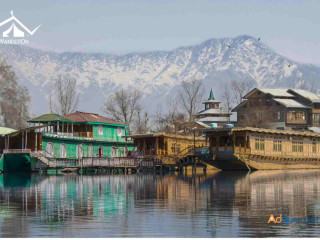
<point>73,136</point>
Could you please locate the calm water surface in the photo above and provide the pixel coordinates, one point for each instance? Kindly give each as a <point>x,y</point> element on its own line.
<point>218,204</point>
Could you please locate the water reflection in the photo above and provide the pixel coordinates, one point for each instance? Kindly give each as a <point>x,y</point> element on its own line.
<point>218,204</point>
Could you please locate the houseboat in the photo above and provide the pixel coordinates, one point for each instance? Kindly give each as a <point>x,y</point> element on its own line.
<point>165,147</point>
<point>261,149</point>
<point>73,136</point>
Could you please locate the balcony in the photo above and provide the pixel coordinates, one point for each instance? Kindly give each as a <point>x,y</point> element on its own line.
<point>16,151</point>
<point>69,135</point>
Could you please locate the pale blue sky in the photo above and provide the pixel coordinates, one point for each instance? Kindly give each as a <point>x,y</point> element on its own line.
<point>291,27</point>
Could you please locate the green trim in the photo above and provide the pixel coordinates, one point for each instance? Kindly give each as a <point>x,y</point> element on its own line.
<point>108,124</point>
<point>80,139</point>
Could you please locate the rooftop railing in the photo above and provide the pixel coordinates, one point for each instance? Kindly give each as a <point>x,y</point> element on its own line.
<point>16,150</point>
<point>74,134</point>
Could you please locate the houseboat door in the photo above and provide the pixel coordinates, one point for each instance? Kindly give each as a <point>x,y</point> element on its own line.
<point>63,151</point>
<point>100,151</point>
<point>79,151</point>
<point>50,150</point>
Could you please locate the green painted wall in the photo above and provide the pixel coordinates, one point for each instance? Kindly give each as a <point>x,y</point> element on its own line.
<point>109,133</point>
<point>71,146</point>
<point>111,137</point>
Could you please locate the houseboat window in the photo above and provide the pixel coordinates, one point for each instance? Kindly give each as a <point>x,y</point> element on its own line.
<point>277,145</point>
<point>314,145</point>
<point>90,150</point>
<point>119,132</point>
<point>259,144</point>
<point>50,150</point>
<point>316,118</point>
<point>114,152</point>
<point>295,115</point>
<point>100,130</point>
<point>63,151</point>
<point>125,151</point>
<point>79,151</point>
<point>173,147</point>
<point>297,146</point>
<point>177,148</point>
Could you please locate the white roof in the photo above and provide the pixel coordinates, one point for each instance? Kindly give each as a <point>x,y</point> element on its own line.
<point>212,111</point>
<point>214,119</point>
<point>306,94</point>
<point>277,92</point>
<point>203,124</point>
<point>211,101</point>
<point>314,129</point>
<point>5,131</point>
<point>290,103</point>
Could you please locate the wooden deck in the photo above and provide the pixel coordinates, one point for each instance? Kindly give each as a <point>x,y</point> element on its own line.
<point>120,164</point>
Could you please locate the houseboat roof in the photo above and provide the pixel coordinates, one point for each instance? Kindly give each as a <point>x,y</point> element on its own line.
<point>313,97</point>
<point>212,111</point>
<point>260,130</point>
<point>214,119</point>
<point>49,117</point>
<point>4,131</point>
<point>162,134</point>
<point>276,92</point>
<point>91,117</point>
<point>290,103</point>
<point>28,129</point>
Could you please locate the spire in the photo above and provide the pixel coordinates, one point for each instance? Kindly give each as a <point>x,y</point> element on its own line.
<point>211,97</point>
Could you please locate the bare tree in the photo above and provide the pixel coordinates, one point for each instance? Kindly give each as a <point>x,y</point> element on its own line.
<point>258,119</point>
<point>67,96</point>
<point>226,98</point>
<point>124,105</point>
<point>142,122</point>
<point>14,99</point>
<point>240,88</point>
<point>171,121</point>
<point>190,96</point>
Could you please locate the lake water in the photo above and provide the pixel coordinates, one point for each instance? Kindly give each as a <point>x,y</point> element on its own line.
<point>216,204</point>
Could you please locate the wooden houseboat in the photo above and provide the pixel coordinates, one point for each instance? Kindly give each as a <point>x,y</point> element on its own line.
<point>165,146</point>
<point>74,136</point>
<point>261,149</point>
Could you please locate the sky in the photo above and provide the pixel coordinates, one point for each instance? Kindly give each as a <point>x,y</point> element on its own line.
<point>289,27</point>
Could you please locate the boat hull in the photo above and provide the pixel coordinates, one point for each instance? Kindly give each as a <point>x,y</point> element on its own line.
<point>250,162</point>
<point>15,162</point>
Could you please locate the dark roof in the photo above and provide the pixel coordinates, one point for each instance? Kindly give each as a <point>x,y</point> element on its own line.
<point>239,106</point>
<point>49,117</point>
<point>90,117</point>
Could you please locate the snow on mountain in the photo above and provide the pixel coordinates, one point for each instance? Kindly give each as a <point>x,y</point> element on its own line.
<point>157,73</point>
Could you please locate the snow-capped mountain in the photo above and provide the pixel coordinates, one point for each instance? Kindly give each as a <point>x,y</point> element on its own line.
<point>157,73</point>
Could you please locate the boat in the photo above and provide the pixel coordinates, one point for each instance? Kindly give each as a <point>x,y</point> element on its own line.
<point>63,141</point>
<point>247,148</point>
<point>168,148</point>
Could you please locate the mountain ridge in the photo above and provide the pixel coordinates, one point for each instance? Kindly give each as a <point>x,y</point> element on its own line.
<point>158,73</point>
